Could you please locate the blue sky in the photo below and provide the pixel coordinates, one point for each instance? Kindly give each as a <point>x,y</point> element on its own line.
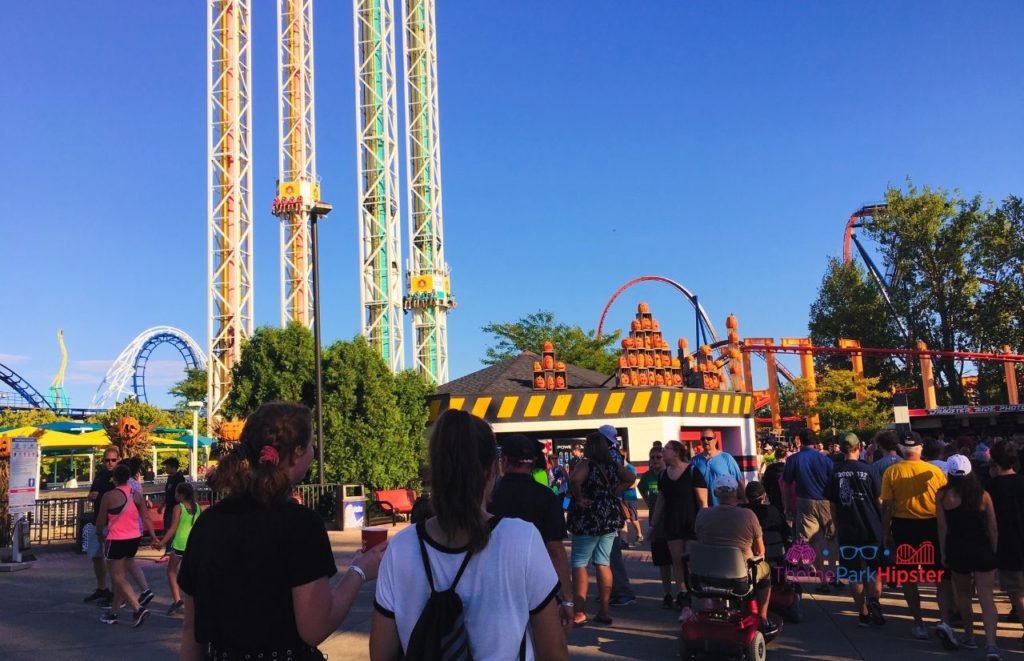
<point>722,144</point>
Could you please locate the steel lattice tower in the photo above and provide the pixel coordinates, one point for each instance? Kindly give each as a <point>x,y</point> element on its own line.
<point>297,176</point>
<point>229,202</point>
<point>429,290</point>
<point>377,174</point>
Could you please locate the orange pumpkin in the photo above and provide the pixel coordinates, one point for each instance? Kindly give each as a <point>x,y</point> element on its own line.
<point>660,380</point>
<point>128,427</point>
<point>643,308</point>
<point>643,378</point>
<point>550,383</point>
<point>548,347</point>
<point>538,383</point>
<point>231,430</point>
<point>655,325</point>
<point>731,323</point>
<point>657,361</point>
<point>559,365</point>
<point>560,382</point>
<point>634,325</point>
<point>632,359</point>
<point>683,344</point>
<point>646,324</point>
<point>629,343</point>
<point>734,369</point>
<point>647,343</point>
<point>677,379</point>
<point>624,380</point>
<point>536,366</point>
<point>549,362</point>
<point>676,364</point>
<point>623,362</point>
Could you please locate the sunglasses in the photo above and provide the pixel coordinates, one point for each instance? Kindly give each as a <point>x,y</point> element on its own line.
<point>655,456</point>
<point>708,438</point>
<point>110,461</point>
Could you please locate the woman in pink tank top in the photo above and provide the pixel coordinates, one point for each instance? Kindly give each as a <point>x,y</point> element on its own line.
<point>118,526</point>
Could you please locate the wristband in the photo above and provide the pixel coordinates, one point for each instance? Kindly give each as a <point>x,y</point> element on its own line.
<point>359,572</point>
<point>568,603</point>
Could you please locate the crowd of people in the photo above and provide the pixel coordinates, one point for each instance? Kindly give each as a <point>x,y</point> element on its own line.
<point>485,568</point>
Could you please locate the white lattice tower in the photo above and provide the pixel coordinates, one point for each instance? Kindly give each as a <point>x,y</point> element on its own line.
<point>296,155</point>
<point>377,175</point>
<point>229,202</point>
<point>429,291</point>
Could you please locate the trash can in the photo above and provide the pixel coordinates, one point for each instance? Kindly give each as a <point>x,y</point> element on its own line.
<point>352,513</point>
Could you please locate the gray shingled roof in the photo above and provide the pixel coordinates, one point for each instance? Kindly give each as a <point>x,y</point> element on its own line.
<point>515,375</point>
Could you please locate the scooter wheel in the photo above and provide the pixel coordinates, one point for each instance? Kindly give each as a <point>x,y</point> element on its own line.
<point>757,650</point>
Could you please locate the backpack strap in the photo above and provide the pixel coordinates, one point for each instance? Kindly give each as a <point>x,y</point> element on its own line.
<point>421,533</point>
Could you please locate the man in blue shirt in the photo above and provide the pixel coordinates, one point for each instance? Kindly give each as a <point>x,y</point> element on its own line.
<point>812,472</point>
<point>714,462</point>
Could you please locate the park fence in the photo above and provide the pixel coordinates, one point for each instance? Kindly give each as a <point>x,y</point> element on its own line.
<point>60,520</point>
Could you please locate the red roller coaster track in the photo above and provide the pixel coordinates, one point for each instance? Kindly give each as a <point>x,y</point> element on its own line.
<point>668,281</point>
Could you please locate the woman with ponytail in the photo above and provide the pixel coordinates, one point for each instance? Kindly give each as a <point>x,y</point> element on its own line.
<point>499,567</point>
<point>257,564</point>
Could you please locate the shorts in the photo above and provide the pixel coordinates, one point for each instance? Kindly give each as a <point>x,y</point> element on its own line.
<point>660,556</point>
<point>121,549</point>
<point>917,543</point>
<point>596,549</point>
<point>762,575</point>
<point>857,557</point>
<point>177,553</point>
<point>93,543</point>
<point>812,517</point>
<point>631,507</point>
<point>1011,581</point>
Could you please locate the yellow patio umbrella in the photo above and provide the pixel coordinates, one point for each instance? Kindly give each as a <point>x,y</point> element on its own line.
<point>58,439</point>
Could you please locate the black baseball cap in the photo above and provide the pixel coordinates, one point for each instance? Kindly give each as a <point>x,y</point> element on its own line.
<point>910,439</point>
<point>519,447</point>
<point>171,461</point>
<point>754,490</point>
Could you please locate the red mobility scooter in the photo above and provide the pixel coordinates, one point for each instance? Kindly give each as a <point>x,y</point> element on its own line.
<point>723,620</point>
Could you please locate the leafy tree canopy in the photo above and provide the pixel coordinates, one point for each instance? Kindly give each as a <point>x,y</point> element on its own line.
<point>28,417</point>
<point>148,417</point>
<point>572,344</point>
<point>844,402</point>
<point>190,389</point>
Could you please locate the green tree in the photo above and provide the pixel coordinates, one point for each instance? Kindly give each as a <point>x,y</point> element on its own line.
<point>573,345</point>
<point>927,237</point>
<point>374,421</point>
<point>190,389</point>
<point>28,417</point>
<point>844,402</point>
<point>276,364</point>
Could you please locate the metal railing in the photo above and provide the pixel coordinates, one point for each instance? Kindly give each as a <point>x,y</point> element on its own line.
<point>60,520</point>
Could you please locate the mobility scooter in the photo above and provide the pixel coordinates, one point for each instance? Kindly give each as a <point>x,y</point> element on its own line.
<point>724,619</point>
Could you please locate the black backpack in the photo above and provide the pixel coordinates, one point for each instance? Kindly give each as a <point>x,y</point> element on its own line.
<point>440,632</point>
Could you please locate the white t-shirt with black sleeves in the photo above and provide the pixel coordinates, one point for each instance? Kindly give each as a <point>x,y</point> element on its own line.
<point>504,584</point>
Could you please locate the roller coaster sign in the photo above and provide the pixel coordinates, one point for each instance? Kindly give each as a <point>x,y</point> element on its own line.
<point>965,409</point>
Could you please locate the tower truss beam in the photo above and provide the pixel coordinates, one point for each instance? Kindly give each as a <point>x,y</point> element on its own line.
<point>377,179</point>
<point>296,156</point>
<point>429,290</point>
<point>229,199</point>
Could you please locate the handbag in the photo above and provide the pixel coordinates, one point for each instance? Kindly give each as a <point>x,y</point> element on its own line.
<point>623,508</point>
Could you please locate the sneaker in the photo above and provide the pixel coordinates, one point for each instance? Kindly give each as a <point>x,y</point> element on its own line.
<point>146,597</point>
<point>769,627</point>
<point>667,602</point>
<point>920,632</point>
<point>101,593</point>
<point>946,636</point>
<point>864,620</point>
<point>967,642</point>
<point>176,607</point>
<point>139,617</point>
<point>991,653</point>
<point>623,601</point>
<point>875,612</point>
<point>109,617</point>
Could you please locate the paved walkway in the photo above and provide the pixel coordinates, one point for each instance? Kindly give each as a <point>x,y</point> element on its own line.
<point>42,617</point>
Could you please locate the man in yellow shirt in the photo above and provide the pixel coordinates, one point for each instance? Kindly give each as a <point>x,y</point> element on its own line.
<point>911,529</point>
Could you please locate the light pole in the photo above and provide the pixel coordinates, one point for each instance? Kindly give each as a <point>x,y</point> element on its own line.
<point>318,209</point>
<point>193,468</point>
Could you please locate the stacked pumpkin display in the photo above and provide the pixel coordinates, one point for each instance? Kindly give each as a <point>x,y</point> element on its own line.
<point>646,360</point>
<point>548,373</point>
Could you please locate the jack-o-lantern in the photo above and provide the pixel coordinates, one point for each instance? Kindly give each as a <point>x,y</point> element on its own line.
<point>647,343</point>
<point>643,378</point>
<point>624,380</point>
<point>683,344</point>
<point>231,430</point>
<point>538,383</point>
<point>731,323</point>
<point>655,325</point>
<point>632,359</point>
<point>634,325</point>
<point>628,343</point>
<point>548,347</point>
<point>549,362</point>
<point>536,366</point>
<point>660,380</point>
<point>657,361</point>
<point>550,383</point>
<point>623,362</point>
<point>677,379</point>
<point>643,308</point>
<point>560,382</point>
<point>676,363</point>
<point>649,361</point>
<point>646,324</point>
<point>559,365</point>
<point>128,427</point>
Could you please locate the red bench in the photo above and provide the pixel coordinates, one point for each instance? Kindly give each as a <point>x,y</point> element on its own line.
<point>395,502</point>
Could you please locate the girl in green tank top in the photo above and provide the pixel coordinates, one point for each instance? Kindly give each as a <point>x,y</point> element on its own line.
<point>185,514</point>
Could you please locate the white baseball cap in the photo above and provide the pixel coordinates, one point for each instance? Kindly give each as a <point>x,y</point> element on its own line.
<point>958,465</point>
<point>725,483</point>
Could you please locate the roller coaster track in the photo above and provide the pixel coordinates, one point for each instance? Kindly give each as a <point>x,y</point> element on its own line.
<point>130,366</point>
<point>24,388</point>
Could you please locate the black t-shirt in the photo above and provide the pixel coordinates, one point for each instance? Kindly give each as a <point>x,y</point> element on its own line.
<point>770,479</point>
<point>101,484</point>
<point>771,519</point>
<point>522,497</point>
<point>172,483</point>
<point>1007,492</point>
<point>855,488</point>
<point>240,565</point>
<point>679,502</point>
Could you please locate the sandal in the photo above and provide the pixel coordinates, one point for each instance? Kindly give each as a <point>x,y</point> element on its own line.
<point>580,623</point>
<point>603,619</point>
